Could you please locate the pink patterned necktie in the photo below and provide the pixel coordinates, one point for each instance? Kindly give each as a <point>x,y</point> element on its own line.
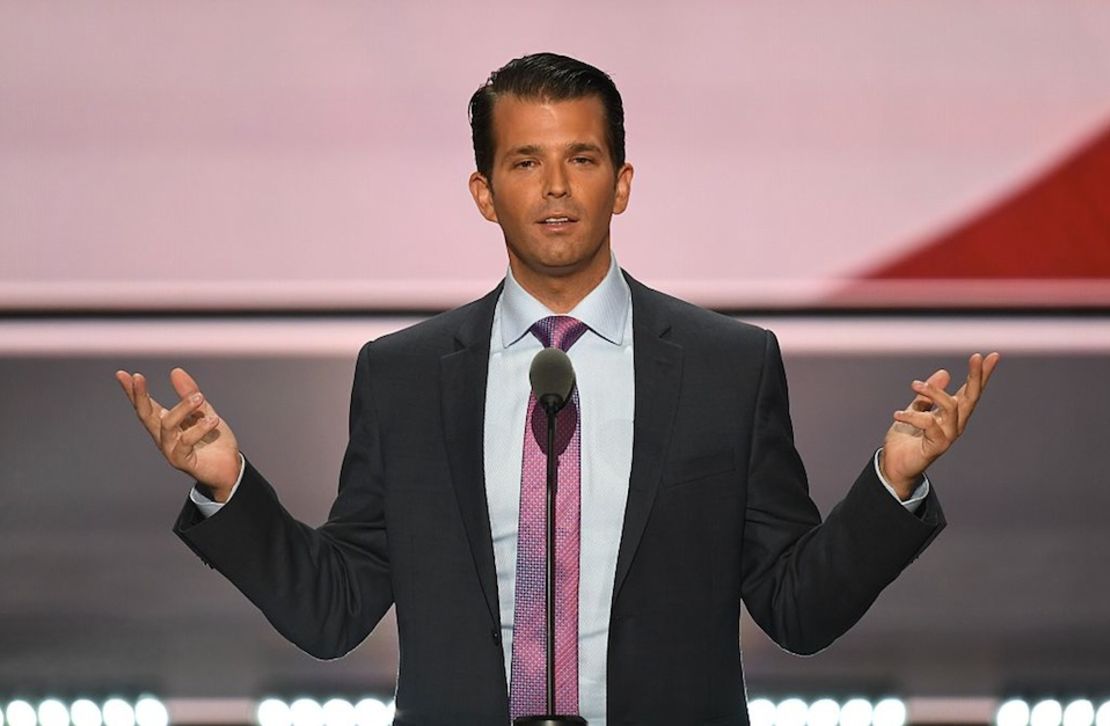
<point>528,689</point>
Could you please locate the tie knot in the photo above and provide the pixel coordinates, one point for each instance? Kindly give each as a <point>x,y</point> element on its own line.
<point>558,331</point>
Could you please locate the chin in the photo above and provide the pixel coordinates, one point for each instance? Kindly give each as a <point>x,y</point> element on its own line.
<point>557,258</point>
<point>565,264</point>
<point>568,254</point>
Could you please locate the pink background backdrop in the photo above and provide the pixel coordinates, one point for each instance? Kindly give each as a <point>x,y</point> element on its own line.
<point>277,154</point>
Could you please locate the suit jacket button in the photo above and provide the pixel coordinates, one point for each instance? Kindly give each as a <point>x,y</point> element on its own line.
<point>496,633</point>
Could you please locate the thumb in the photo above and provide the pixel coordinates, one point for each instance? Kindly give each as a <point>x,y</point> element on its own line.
<point>940,379</point>
<point>183,383</point>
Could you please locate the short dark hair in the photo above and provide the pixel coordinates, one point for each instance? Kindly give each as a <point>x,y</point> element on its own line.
<point>549,77</point>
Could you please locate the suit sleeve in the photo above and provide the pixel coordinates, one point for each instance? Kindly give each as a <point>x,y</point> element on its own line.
<point>323,588</point>
<point>806,582</point>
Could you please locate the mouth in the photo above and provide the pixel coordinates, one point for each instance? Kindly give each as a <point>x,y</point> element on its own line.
<point>557,221</point>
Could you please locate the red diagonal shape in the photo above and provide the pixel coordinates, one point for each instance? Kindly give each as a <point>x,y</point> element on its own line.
<point>1056,228</point>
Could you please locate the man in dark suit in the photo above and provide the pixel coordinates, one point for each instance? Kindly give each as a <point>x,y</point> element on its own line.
<point>693,497</point>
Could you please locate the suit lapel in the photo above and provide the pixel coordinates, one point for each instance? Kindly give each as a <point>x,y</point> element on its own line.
<point>658,371</point>
<point>463,395</point>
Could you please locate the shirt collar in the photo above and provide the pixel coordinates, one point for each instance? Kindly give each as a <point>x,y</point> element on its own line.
<point>604,310</point>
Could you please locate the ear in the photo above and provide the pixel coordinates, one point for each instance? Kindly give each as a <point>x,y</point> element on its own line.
<point>482,192</point>
<point>624,188</point>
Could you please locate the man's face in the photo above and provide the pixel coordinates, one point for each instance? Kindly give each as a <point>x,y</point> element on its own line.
<point>553,188</point>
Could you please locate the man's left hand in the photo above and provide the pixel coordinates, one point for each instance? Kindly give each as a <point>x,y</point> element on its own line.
<point>931,423</point>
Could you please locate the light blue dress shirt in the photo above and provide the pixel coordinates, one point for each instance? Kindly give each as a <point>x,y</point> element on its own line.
<point>602,360</point>
<point>603,364</point>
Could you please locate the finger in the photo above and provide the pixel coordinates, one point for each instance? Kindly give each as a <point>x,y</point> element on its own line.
<point>186,385</point>
<point>949,415</point>
<point>176,416</point>
<point>974,385</point>
<point>183,383</point>
<point>199,430</point>
<point>932,390</point>
<point>127,384</point>
<point>150,411</point>
<point>182,451</point>
<point>979,371</point>
<point>968,395</point>
<point>181,454</point>
<point>940,378</point>
<point>989,364</point>
<point>922,420</point>
<point>927,423</point>
<point>144,403</point>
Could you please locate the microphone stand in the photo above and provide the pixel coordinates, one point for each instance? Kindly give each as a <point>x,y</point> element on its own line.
<point>551,404</point>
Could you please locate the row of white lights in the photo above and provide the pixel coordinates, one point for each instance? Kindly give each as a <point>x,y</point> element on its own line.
<point>334,712</point>
<point>84,712</point>
<point>827,712</point>
<point>1050,712</point>
<point>150,711</point>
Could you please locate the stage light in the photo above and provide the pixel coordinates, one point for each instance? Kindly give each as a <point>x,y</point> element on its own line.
<point>1046,713</point>
<point>20,713</point>
<point>372,712</point>
<point>149,711</point>
<point>791,712</point>
<point>1080,712</point>
<point>338,712</point>
<point>856,712</point>
<point>1014,712</point>
<point>823,712</point>
<point>273,712</point>
<point>761,712</point>
<point>1102,716</point>
<point>118,712</point>
<point>306,712</point>
<point>889,712</point>
<point>390,711</point>
<point>84,712</point>
<point>53,713</point>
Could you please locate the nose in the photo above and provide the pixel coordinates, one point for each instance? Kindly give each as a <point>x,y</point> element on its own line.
<point>555,181</point>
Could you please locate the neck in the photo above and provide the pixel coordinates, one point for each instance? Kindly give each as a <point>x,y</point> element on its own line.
<point>560,293</point>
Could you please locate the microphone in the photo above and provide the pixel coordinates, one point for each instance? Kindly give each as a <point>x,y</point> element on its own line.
<point>552,378</point>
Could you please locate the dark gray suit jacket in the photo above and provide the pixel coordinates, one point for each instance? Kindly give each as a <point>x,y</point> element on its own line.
<point>718,512</point>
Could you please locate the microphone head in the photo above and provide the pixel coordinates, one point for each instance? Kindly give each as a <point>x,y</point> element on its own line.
<point>552,377</point>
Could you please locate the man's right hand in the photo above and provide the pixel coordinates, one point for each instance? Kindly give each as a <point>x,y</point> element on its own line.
<point>190,435</point>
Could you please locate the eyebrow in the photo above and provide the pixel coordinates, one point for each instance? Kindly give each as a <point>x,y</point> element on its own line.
<point>582,147</point>
<point>577,147</point>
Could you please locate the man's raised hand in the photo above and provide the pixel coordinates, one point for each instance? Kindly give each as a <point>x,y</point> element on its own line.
<point>191,436</point>
<point>931,423</point>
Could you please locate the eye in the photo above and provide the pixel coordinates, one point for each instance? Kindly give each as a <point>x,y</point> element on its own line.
<point>582,160</point>
<point>524,164</point>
